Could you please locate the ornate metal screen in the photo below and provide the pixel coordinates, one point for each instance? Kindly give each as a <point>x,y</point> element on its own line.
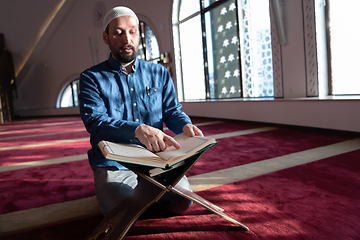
<point>256,49</point>
<point>222,48</point>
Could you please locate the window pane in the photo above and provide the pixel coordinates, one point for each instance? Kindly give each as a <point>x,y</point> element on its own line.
<point>148,46</point>
<point>207,3</point>
<point>257,71</point>
<point>141,53</point>
<point>152,47</point>
<point>188,7</point>
<point>321,48</point>
<point>66,98</point>
<point>192,60</point>
<point>76,90</point>
<point>222,50</point>
<point>345,51</point>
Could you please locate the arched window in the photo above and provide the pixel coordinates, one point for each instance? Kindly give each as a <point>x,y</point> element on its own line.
<point>222,49</point>
<point>148,46</point>
<point>68,97</point>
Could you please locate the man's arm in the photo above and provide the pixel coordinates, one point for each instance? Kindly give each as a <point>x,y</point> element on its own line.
<point>174,118</point>
<point>95,114</point>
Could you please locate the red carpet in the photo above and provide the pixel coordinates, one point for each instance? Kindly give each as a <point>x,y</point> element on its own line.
<point>239,150</point>
<point>43,153</point>
<point>39,186</point>
<point>317,200</point>
<point>73,132</point>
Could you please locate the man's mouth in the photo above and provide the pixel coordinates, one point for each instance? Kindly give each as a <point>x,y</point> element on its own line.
<point>127,49</point>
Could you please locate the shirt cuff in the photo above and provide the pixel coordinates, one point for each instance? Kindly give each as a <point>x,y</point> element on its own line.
<point>130,131</point>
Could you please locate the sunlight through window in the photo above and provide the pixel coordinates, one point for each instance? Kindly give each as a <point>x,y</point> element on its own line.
<point>344,43</point>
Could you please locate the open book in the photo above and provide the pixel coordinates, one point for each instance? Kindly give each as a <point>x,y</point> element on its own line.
<point>171,156</point>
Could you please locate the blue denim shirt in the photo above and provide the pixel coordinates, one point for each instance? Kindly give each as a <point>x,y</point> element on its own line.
<point>113,104</point>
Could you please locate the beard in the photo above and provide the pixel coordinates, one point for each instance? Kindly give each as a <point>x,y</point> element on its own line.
<point>124,58</point>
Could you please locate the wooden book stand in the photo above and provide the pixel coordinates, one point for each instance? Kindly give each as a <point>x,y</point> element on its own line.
<point>117,223</point>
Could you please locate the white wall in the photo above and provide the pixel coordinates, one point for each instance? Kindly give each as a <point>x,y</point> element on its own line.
<point>329,114</point>
<point>64,51</point>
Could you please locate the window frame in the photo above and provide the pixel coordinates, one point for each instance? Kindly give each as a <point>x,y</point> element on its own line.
<point>211,92</point>
<point>328,48</point>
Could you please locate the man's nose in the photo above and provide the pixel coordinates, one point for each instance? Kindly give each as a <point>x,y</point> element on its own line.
<point>127,37</point>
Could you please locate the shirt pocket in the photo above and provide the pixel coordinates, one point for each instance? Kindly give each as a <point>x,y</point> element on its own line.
<point>152,105</point>
<point>154,98</point>
<point>154,93</point>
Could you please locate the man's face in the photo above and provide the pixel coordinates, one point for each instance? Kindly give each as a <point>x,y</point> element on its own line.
<point>123,38</point>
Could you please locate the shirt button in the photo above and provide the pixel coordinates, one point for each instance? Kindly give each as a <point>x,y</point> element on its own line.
<point>134,104</point>
<point>137,120</point>
<point>131,89</point>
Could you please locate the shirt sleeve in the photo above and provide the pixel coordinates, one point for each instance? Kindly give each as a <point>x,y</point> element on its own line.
<point>95,115</point>
<point>174,118</point>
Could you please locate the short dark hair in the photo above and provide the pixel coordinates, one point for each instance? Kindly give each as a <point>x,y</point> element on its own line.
<point>107,29</point>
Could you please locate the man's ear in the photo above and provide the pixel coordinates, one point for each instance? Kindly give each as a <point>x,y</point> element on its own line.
<point>105,38</point>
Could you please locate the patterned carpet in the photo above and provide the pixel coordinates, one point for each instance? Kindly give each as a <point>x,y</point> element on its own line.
<point>282,182</point>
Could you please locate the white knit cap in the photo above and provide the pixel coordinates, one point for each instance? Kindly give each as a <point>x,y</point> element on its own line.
<point>118,12</point>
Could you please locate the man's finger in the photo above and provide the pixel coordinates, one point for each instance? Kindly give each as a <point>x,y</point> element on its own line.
<point>171,141</point>
<point>148,146</point>
<point>162,145</point>
<point>198,132</point>
<point>188,130</point>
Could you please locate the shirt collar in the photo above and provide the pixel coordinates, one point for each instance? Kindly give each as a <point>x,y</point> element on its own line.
<point>118,67</point>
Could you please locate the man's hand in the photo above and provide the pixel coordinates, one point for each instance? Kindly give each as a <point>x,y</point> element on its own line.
<point>192,130</point>
<point>154,139</point>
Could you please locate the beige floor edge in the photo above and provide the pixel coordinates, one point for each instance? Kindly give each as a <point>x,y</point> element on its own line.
<point>27,219</point>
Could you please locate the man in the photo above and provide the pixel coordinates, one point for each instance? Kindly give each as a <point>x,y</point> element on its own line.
<point>127,100</point>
